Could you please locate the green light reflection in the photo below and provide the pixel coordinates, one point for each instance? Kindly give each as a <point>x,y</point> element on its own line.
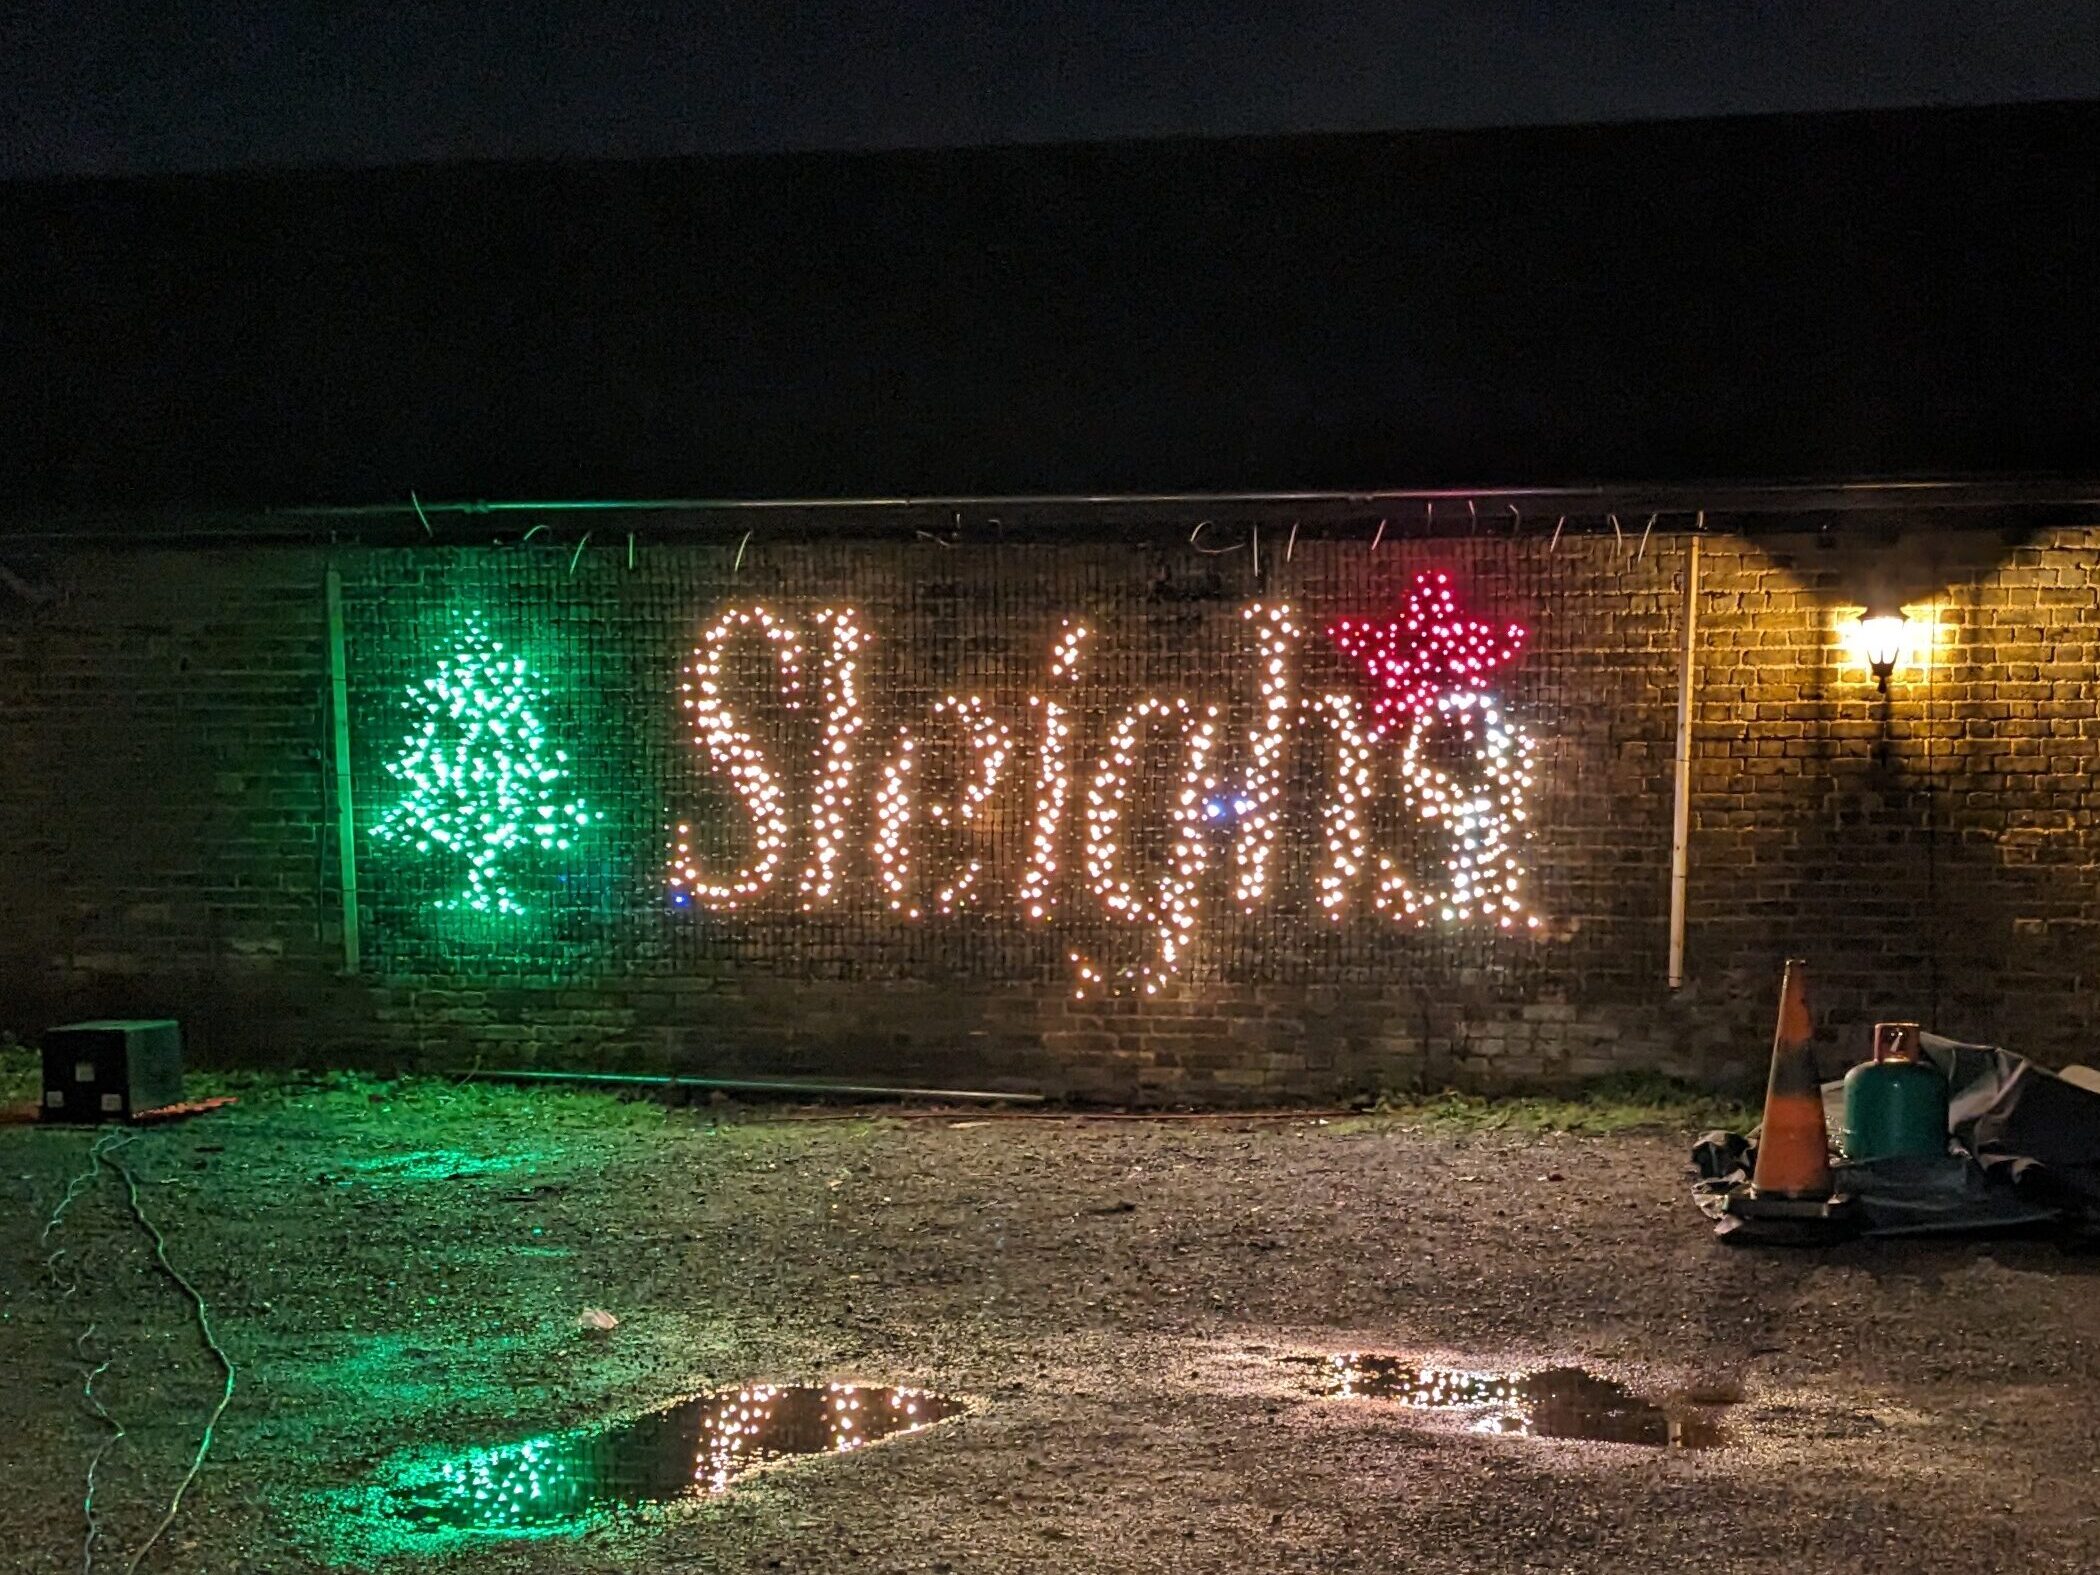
<point>564,1483</point>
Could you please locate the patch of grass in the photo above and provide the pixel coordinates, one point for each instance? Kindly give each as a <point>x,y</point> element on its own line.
<point>1620,1103</point>
<point>433,1104</point>
<point>447,1110</point>
<point>21,1073</point>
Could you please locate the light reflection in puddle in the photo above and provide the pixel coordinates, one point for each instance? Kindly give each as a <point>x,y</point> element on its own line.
<point>694,1449</point>
<point>1557,1402</point>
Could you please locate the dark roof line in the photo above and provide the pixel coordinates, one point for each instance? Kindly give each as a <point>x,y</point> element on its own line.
<point>1757,497</point>
<point>1676,506</point>
<point>1319,140</point>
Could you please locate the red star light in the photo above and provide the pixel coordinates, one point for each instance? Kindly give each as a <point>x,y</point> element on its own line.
<point>1425,652</point>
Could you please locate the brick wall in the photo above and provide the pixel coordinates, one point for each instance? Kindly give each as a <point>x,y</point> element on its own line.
<point>167,821</point>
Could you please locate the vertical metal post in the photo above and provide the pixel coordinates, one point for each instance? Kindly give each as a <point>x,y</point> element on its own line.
<point>1932,820</point>
<point>1681,809</point>
<point>345,806</point>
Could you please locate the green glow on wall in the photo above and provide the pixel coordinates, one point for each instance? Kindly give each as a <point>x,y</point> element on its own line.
<point>481,785</point>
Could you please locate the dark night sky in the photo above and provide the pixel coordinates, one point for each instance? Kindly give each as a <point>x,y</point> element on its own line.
<point>1907,291</point>
<point>134,86</point>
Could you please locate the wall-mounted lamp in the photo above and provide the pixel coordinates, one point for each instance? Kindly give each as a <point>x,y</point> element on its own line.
<point>1880,642</point>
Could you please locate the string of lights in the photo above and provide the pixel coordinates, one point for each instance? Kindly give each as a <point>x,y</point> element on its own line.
<point>1256,808</point>
<point>1054,775</point>
<point>1482,815</point>
<point>1154,785</point>
<point>1341,811</point>
<point>835,758</point>
<point>736,752</point>
<point>478,772</point>
<point>1170,907</point>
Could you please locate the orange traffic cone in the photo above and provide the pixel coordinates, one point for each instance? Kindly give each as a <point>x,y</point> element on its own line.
<point>1789,1198</point>
<point>1793,1149</point>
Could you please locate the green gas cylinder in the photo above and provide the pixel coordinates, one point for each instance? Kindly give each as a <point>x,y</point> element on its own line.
<point>1895,1104</point>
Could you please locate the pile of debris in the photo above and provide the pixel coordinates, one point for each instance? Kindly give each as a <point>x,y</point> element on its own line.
<point>1939,1137</point>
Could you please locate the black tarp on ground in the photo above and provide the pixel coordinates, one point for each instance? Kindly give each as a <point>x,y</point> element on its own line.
<point>2023,1154</point>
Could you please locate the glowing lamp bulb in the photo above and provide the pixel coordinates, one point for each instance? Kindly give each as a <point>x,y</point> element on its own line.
<point>1880,641</point>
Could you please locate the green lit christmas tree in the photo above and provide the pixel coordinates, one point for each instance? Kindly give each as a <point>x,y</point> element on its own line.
<point>481,786</point>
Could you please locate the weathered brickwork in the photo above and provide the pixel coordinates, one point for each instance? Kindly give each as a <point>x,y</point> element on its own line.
<point>167,820</point>
<point>1934,851</point>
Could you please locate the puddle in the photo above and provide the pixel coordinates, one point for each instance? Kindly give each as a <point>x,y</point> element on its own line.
<point>694,1449</point>
<point>1556,1402</point>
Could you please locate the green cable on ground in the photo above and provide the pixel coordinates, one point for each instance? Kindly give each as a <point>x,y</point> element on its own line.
<point>160,1254</point>
<point>92,1370</point>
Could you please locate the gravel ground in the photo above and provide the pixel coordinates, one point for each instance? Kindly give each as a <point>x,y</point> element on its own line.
<point>402,1267</point>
